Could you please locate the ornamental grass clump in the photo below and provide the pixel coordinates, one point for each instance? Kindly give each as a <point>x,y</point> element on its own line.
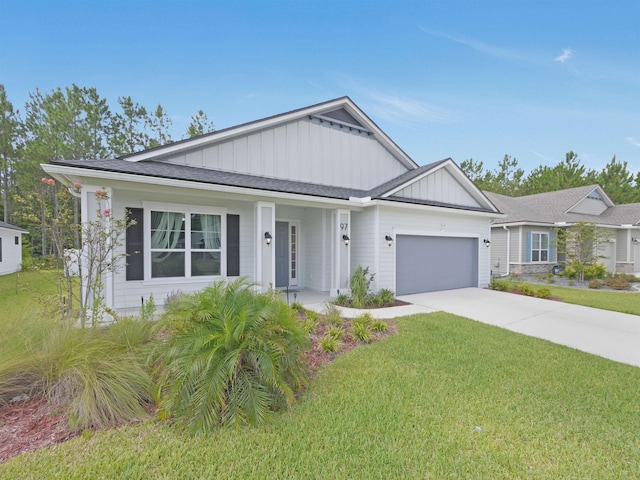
<point>232,356</point>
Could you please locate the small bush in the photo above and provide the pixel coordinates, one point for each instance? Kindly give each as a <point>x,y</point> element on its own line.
<point>500,285</point>
<point>594,283</point>
<point>571,283</point>
<point>336,332</point>
<point>311,315</point>
<point>365,319</point>
<point>298,307</point>
<point>617,283</point>
<point>309,325</point>
<point>570,272</point>
<point>332,315</point>
<point>379,326</point>
<point>541,276</point>
<point>329,344</point>
<point>525,289</point>
<point>543,292</point>
<point>362,333</point>
<point>387,297</point>
<point>343,300</point>
<point>551,278</point>
<point>597,270</point>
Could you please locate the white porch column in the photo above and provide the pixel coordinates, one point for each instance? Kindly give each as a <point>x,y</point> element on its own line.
<point>340,251</point>
<point>265,260</point>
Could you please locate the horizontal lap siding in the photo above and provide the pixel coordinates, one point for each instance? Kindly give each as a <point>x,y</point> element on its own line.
<point>499,252</point>
<point>128,294</point>
<point>428,222</point>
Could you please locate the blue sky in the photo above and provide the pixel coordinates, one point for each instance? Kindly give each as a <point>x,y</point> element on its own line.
<point>442,78</point>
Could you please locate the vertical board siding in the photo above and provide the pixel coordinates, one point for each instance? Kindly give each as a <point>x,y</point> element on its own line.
<point>304,151</point>
<point>622,245</point>
<point>439,186</point>
<point>363,240</point>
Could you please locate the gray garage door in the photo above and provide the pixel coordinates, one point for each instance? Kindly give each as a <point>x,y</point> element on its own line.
<point>427,264</point>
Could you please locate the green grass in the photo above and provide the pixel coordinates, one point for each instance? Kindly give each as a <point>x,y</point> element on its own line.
<point>624,302</point>
<point>27,294</point>
<point>405,407</point>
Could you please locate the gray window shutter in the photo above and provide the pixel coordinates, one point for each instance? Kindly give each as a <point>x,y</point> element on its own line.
<point>528,246</point>
<point>233,245</point>
<point>135,245</point>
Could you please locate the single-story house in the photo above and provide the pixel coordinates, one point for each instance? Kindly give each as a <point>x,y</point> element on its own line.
<point>10,248</point>
<point>295,200</point>
<point>523,241</point>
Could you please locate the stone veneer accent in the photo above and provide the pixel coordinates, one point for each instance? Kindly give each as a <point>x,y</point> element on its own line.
<point>531,268</point>
<point>624,267</point>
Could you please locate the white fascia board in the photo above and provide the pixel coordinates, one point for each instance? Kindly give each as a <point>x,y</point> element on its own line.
<point>452,210</point>
<point>555,225</point>
<point>64,173</point>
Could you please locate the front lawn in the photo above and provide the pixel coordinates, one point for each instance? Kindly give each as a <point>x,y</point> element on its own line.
<point>445,398</point>
<point>624,302</point>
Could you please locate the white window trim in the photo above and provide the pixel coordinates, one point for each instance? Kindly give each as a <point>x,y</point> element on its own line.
<point>187,210</point>
<point>540,250</point>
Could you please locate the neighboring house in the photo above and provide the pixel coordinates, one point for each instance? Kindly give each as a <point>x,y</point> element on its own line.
<point>10,248</point>
<point>295,200</point>
<point>523,241</point>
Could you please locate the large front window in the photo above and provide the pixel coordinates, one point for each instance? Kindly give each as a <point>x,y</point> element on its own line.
<point>185,244</point>
<point>539,247</point>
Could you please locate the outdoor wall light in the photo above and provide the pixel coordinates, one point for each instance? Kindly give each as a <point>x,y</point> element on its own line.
<point>487,242</point>
<point>346,239</point>
<point>635,240</point>
<point>389,240</point>
<point>268,237</point>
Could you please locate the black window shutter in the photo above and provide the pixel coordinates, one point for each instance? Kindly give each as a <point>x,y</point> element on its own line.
<point>233,245</point>
<point>135,245</point>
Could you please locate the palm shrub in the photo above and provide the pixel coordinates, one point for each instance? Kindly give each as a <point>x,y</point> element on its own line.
<point>232,357</point>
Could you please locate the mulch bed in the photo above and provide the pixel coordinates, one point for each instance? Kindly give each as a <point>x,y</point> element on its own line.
<point>29,425</point>
<point>34,423</point>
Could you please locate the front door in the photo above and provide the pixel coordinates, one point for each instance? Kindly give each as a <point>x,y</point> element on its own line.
<point>282,254</point>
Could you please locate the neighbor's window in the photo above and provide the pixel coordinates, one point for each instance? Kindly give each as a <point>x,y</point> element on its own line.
<point>539,247</point>
<point>185,244</point>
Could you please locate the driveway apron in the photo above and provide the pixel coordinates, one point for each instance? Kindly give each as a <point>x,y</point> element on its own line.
<point>612,335</point>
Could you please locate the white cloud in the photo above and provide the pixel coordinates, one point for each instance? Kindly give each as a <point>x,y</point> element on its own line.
<point>633,141</point>
<point>405,111</point>
<point>482,47</point>
<point>566,54</point>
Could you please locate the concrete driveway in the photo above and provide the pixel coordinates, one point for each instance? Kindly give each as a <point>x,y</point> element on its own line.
<point>608,334</point>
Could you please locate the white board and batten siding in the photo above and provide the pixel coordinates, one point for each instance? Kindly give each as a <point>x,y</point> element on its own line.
<point>439,186</point>
<point>364,239</point>
<point>303,150</point>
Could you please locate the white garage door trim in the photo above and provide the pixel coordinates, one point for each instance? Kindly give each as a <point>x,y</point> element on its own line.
<point>442,274</point>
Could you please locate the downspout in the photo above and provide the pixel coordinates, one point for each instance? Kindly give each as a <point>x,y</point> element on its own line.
<point>508,251</point>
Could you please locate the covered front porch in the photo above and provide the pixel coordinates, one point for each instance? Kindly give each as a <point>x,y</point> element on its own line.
<point>302,248</point>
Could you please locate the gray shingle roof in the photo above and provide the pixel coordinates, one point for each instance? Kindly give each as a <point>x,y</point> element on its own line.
<point>12,227</point>
<point>218,177</point>
<point>551,207</point>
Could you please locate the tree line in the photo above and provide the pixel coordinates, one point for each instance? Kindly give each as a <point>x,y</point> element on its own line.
<point>76,122</point>
<point>70,123</point>
<point>507,179</point>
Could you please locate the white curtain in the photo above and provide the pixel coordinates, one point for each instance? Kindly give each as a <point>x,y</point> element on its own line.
<point>166,229</point>
<point>211,231</point>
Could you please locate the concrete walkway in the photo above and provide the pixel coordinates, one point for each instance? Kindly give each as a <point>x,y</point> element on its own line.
<point>612,335</point>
